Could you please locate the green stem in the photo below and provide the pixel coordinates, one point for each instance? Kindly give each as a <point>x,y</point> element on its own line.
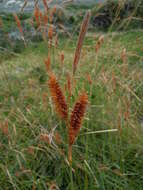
<point>71,179</point>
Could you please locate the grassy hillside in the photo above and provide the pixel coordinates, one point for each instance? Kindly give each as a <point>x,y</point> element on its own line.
<point>108,153</point>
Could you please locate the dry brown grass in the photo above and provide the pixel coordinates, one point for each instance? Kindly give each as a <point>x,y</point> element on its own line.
<point>82,34</point>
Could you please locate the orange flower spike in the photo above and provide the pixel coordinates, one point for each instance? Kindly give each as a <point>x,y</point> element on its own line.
<point>36,15</point>
<point>77,116</point>
<point>18,23</point>
<point>56,41</point>
<point>58,97</point>
<point>89,79</point>
<point>62,58</point>
<point>50,32</point>
<point>41,17</point>
<point>45,18</point>
<point>48,62</point>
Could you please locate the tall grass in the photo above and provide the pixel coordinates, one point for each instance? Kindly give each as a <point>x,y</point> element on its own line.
<point>65,131</point>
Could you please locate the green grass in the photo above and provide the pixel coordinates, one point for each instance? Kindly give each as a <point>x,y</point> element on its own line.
<point>102,161</point>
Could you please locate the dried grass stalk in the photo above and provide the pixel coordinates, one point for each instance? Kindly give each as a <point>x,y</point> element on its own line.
<point>1,23</point>
<point>51,15</point>
<point>24,5</point>
<point>99,43</point>
<point>114,82</point>
<point>58,97</point>
<point>89,79</point>
<point>69,84</point>
<point>45,5</point>
<point>83,31</point>
<point>36,3</point>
